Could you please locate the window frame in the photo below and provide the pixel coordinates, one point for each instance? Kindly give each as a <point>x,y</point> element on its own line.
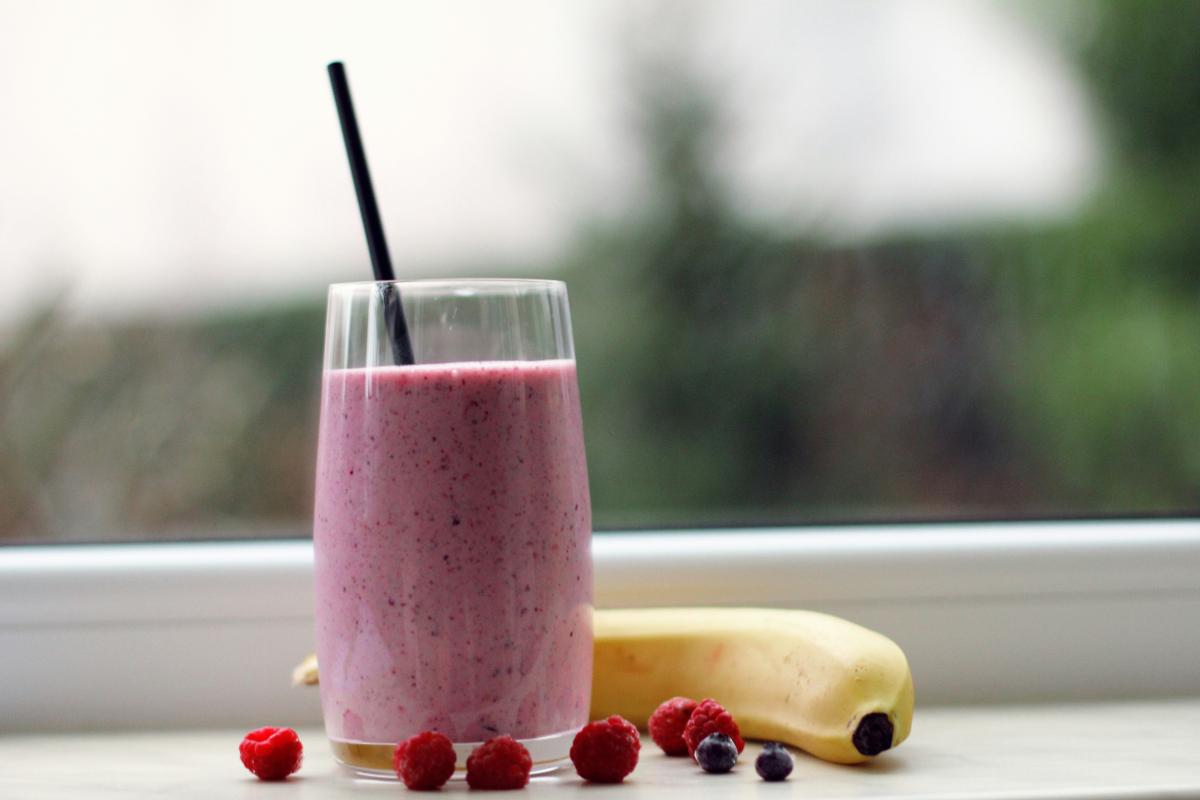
<point>206,633</point>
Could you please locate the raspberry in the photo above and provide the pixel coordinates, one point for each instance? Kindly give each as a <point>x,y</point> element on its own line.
<point>709,717</point>
<point>425,761</point>
<point>499,763</point>
<point>667,723</point>
<point>272,753</point>
<point>606,751</point>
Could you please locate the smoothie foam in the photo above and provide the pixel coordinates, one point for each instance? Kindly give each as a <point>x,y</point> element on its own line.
<point>452,530</point>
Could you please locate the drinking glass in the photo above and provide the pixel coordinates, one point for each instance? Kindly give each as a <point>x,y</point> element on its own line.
<point>452,523</point>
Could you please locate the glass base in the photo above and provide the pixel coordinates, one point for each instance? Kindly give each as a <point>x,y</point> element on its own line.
<point>372,760</point>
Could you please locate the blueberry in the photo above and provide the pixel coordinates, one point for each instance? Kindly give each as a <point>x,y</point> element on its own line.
<point>717,753</point>
<point>774,763</point>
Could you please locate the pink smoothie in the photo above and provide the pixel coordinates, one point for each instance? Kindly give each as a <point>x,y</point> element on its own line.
<point>453,575</point>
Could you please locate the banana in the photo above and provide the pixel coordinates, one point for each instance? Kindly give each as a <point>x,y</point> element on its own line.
<point>837,690</point>
<point>306,672</point>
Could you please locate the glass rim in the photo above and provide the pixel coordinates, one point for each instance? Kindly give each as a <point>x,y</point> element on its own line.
<point>453,284</point>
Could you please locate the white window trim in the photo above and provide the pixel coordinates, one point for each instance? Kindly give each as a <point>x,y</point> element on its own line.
<point>207,633</point>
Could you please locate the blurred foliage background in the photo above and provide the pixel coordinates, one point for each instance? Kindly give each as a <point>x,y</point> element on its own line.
<point>734,371</point>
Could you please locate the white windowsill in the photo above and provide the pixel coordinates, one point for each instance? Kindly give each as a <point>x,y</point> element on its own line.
<point>184,635</point>
<point>1064,752</point>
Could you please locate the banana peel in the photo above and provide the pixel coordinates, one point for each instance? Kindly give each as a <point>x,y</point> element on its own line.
<point>306,673</point>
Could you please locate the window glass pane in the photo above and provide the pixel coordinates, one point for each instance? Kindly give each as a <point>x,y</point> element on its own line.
<point>828,261</point>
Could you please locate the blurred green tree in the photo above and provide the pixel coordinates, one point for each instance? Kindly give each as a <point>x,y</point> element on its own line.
<point>735,371</point>
<point>1109,303</point>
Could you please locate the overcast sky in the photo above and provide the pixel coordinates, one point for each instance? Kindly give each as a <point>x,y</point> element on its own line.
<point>163,154</point>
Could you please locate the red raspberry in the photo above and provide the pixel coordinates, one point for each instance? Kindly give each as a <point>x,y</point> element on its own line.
<point>667,723</point>
<point>272,753</point>
<point>708,718</point>
<point>425,761</point>
<point>607,750</point>
<point>499,763</point>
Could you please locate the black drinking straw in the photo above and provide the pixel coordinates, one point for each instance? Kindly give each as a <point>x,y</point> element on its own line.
<point>381,261</point>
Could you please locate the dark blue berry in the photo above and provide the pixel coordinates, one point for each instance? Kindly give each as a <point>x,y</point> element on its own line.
<point>774,763</point>
<point>717,753</point>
